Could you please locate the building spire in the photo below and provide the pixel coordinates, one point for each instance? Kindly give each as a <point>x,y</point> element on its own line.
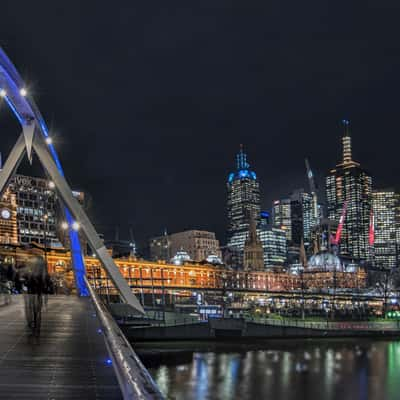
<point>346,140</point>
<point>253,253</point>
<point>253,238</point>
<point>241,159</point>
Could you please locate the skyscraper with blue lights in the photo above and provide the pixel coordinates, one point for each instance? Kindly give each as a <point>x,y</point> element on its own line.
<point>243,201</point>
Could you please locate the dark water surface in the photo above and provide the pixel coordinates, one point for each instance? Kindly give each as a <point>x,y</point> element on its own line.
<point>326,369</point>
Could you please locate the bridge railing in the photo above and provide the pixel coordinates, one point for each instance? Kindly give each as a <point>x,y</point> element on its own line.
<point>134,380</point>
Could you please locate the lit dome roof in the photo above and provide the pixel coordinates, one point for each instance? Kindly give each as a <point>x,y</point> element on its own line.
<point>213,259</point>
<point>180,257</point>
<point>324,261</point>
<point>242,174</point>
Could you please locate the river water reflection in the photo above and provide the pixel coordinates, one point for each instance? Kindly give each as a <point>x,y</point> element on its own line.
<point>294,369</point>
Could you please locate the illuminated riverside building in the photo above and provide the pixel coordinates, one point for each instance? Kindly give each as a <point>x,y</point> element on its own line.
<point>147,276</point>
<point>8,219</point>
<point>243,202</point>
<point>348,192</point>
<point>384,206</point>
<point>36,210</point>
<point>30,213</point>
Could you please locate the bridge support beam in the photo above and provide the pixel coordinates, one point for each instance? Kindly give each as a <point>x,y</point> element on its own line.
<point>65,194</point>
<point>12,163</point>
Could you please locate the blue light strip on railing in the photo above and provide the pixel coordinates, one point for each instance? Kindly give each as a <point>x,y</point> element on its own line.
<point>76,250</point>
<point>75,245</point>
<point>14,110</point>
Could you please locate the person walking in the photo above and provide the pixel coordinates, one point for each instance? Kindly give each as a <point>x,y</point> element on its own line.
<point>36,288</point>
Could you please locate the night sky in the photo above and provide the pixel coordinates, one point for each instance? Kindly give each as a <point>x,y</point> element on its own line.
<point>149,100</point>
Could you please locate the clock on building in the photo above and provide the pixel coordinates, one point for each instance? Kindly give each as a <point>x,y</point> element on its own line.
<point>5,213</point>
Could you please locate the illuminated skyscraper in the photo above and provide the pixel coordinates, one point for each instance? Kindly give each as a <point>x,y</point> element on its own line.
<point>243,201</point>
<point>274,244</point>
<point>282,217</point>
<point>384,205</point>
<point>295,216</point>
<point>348,192</point>
<point>302,218</point>
<point>37,210</point>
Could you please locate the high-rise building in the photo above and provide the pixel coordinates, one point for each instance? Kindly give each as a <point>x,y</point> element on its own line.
<point>397,222</point>
<point>30,213</point>
<point>302,217</point>
<point>200,245</point>
<point>274,244</point>
<point>36,210</point>
<point>282,217</point>
<point>253,254</point>
<point>384,206</point>
<point>322,235</point>
<point>295,215</point>
<point>243,201</point>
<point>348,192</point>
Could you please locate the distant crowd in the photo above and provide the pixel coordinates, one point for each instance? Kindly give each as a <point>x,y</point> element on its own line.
<point>28,277</point>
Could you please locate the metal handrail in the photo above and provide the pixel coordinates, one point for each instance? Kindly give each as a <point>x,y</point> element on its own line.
<point>134,379</point>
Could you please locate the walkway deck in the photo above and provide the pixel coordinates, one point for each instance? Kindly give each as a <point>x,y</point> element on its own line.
<point>68,361</point>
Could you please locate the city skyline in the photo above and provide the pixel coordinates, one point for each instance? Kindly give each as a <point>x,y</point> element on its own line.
<point>199,200</point>
<point>320,177</point>
<point>174,136</point>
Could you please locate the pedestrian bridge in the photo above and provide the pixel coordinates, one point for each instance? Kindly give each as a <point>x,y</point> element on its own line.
<point>69,360</point>
<point>81,352</point>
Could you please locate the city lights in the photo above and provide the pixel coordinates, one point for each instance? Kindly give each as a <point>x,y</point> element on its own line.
<point>3,93</point>
<point>49,140</point>
<point>23,92</point>
<point>75,226</point>
<point>64,225</point>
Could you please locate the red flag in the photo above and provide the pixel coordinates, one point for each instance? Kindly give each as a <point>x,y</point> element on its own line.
<point>371,235</point>
<point>341,223</point>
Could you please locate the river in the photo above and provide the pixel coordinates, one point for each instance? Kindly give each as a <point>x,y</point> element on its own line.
<point>326,369</point>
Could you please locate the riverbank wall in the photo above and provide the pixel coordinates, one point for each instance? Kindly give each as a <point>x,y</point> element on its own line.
<point>214,329</point>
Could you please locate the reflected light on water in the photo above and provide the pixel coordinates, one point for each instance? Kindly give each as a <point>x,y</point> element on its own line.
<point>289,370</point>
